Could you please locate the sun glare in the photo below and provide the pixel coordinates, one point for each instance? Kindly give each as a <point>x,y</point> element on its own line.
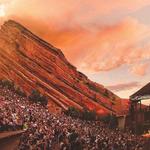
<point>2,10</point>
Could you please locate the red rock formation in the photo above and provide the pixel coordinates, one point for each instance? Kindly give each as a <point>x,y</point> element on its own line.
<point>125,103</point>
<point>35,64</point>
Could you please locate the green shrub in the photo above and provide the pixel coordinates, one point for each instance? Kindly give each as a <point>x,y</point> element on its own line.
<point>93,87</point>
<point>88,115</point>
<point>20,92</point>
<point>110,120</point>
<point>37,97</point>
<point>84,115</point>
<point>7,83</point>
<point>106,93</point>
<point>73,112</point>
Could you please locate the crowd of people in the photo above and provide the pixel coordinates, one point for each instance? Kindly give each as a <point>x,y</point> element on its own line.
<point>46,131</point>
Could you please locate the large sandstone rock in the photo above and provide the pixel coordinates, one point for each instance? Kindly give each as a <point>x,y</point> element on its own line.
<point>35,64</point>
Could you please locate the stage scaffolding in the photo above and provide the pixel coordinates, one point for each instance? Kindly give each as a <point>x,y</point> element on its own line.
<point>140,114</point>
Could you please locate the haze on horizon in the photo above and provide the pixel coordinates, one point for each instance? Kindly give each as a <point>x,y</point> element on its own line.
<point>106,40</point>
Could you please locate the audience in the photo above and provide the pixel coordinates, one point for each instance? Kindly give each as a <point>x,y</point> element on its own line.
<point>47,131</point>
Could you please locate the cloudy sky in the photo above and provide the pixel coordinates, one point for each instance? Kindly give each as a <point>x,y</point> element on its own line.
<point>108,40</point>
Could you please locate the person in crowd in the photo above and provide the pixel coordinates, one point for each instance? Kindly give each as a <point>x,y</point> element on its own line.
<point>46,131</point>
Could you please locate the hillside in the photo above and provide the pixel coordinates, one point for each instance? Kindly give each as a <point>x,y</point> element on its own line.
<point>35,64</point>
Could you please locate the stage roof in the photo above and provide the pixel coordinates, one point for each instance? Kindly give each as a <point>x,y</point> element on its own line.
<point>143,93</point>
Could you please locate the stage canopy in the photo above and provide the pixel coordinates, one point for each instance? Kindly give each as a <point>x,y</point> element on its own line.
<point>143,93</point>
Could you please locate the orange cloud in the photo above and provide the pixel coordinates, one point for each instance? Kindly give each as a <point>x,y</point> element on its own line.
<point>101,49</point>
<point>70,12</point>
<point>140,69</point>
<point>74,27</point>
<point>116,45</point>
<point>123,86</point>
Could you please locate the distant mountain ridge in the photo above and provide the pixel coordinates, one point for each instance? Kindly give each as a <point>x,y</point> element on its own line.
<point>33,63</point>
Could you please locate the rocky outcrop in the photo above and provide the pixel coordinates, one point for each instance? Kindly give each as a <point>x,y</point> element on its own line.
<point>35,64</point>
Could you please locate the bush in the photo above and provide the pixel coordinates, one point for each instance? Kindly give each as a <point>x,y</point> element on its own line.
<point>111,120</point>
<point>106,93</point>
<point>43,100</point>
<point>10,85</point>
<point>7,83</point>
<point>73,112</point>
<point>88,115</point>
<point>20,92</point>
<point>37,97</point>
<point>84,115</point>
<point>93,87</point>
<point>106,119</point>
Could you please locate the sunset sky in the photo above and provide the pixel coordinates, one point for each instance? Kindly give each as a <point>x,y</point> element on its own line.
<point>108,40</point>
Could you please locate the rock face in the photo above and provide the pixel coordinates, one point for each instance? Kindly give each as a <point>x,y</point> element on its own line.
<point>35,64</point>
